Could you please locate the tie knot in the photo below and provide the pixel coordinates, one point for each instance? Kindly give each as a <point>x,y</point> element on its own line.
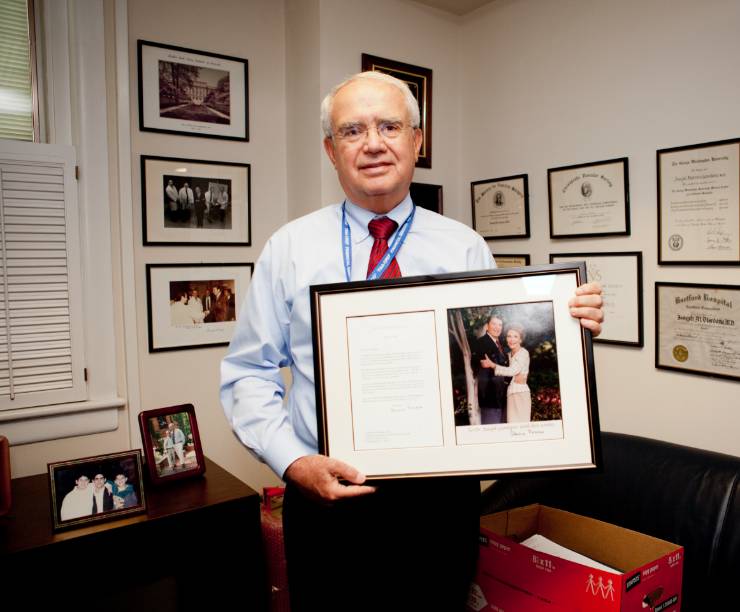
<point>382,228</point>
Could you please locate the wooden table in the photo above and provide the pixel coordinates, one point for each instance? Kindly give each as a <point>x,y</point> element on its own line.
<point>198,546</point>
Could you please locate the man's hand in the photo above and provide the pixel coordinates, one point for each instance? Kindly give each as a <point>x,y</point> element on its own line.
<point>487,363</point>
<point>586,306</point>
<point>318,477</point>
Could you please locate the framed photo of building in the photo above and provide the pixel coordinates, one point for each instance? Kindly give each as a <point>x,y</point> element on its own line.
<point>94,489</point>
<point>501,207</point>
<point>190,202</point>
<point>171,443</point>
<point>419,81</point>
<point>588,200</point>
<point>699,204</point>
<point>194,305</point>
<point>620,275</point>
<point>412,374</point>
<point>192,93</point>
<point>427,196</point>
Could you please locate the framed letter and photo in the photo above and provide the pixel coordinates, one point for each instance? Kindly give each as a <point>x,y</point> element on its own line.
<point>501,207</point>
<point>406,374</point>
<point>699,204</point>
<point>697,329</point>
<point>189,202</point>
<point>588,200</point>
<point>620,275</point>
<point>194,305</point>
<point>192,93</point>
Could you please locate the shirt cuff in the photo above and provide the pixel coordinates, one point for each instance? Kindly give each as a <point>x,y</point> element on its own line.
<point>285,447</point>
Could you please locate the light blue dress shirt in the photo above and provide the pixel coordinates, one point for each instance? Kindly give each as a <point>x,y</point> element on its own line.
<point>274,325</point>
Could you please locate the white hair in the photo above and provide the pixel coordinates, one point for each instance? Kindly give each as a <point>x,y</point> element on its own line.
<point>412,106</point>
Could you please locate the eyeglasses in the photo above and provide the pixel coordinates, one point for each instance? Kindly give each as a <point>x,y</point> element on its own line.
<point>355,132</point>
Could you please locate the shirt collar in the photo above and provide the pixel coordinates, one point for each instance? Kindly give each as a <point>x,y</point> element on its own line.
<point>359,217</point>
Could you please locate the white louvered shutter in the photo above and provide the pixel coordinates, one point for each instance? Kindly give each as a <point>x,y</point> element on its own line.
<point>41,342</point>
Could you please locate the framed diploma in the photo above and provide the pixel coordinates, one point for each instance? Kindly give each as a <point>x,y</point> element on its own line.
<point>699,204</point>
<point>479,373</point>
<point>589,199</point>
<point>501,207</point>
<point>697,329</point>
<point>620,275</point>
<point>511,261</point>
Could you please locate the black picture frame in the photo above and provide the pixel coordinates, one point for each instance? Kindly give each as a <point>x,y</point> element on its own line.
<point>504,202</point>
<point>419,81</point>
<point>428,196</point>
<point>216,105</point>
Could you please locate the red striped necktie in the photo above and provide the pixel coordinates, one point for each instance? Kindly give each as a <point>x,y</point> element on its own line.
<point>381,229</point>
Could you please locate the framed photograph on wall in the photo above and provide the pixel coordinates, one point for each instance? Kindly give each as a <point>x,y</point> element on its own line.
<point>697,329</point>
<point>699,204</point>
<point>620,275</point>
<point>588,200</point>
<point>501,207</point>
<point>194,305</point>
<point>95,489</point>
<point>511,261</point>
<point>192,93</point>
<point>397,387</point>
<point>171,443</point>
<point>427,196</point>
<point>419,81</point>
<point>190,202</point>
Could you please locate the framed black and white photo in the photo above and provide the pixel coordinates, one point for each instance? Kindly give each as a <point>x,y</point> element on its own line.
<point>501,207</point>
<point>588,200</point>
<point>419,81</point>
<point>94,489</point>
<point>401,369</point>
<point>426,195</point>
<point>620,275</point>
<point>511,260</point>
<point>697,329</point>
<point>699,204</point>
<point>194,305</point>
<point>190,202</point>
<point>192,93</point>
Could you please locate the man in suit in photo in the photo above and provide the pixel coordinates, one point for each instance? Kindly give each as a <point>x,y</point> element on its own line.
<point>491,388</point>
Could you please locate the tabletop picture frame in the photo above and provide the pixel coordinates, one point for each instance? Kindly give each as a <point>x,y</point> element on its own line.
<point>194,305</point>
<point>192,93</point>
<point>95,489</point>
<point>191,202</point>
<point>501,207</point>
<point>589,200</point>
<point>172,444</point>
<point>699,204</point>
<point>620,275</point>
<point>394,362</point>
<point>419,81</point>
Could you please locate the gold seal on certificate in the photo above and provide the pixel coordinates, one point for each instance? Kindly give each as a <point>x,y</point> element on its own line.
<point>699,204</point>
<point>698,329</point>
<point>501,207</point>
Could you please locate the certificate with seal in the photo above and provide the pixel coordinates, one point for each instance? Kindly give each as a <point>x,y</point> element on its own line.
<point>698,329</point>
<point>501,207</point>
<point>410,381</point>
<point>699,204</point>
<point>589,199</point>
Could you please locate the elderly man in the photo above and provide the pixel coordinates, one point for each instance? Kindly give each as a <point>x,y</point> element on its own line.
<point>408,544</point>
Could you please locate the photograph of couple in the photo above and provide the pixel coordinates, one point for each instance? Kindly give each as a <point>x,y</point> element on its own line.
<point>172,443</point>
<point>504,364</point>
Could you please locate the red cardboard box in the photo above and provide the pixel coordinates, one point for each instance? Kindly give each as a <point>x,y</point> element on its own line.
<point>515,578</point>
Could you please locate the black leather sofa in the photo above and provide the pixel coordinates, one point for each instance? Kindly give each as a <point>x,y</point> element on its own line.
<point>680,494</point>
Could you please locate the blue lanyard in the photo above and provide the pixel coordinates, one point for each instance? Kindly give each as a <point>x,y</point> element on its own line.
<point>393,247</point>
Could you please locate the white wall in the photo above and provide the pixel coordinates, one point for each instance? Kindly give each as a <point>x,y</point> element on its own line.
<point>547,84</point>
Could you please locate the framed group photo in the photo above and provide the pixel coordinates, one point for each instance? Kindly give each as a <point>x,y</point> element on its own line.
<point>481,373</point>
<point>192,93</point>
<point>94,489</point>
<point>171,443</point>
<point>419,81</point>
<point>589,200</point>
<point>501,207</point>
<point>620,275</point>
<point>194,305</point>
<point>699,204</point>
<point>187,202</point>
